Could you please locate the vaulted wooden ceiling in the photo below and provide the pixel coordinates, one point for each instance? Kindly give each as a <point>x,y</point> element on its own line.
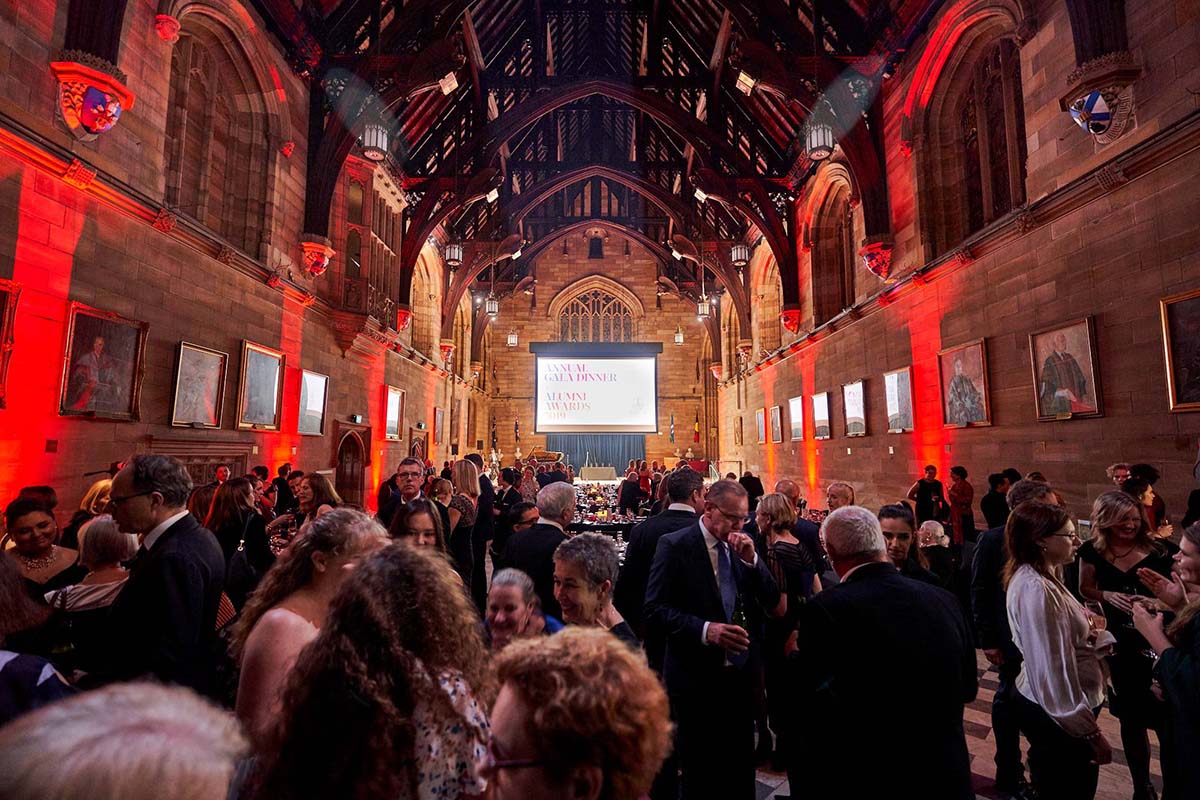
<point>610,110</point>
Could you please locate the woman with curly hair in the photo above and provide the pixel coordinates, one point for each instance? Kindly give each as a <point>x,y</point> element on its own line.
<point>579,715</point>
<point>383,703</point>
<point>289,606</point>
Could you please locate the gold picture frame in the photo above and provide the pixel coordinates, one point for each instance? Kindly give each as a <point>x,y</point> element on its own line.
<point>257,410</point>
<point>964,394</point>
<point>199,395</point>
<point>1180,314</point>
<point>10,292</point>
<point>1066,371</point>
<point>104,359</point>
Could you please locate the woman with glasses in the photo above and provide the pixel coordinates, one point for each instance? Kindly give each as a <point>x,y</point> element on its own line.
<point>579,715</point>
<point>1109,566</point>
<point>388,700</point>
<point>1061,684</point>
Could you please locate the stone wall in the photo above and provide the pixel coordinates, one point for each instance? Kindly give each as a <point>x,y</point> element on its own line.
<point>680,377</point>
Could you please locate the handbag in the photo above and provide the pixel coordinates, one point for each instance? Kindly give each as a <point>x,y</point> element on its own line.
<point>241,576</point>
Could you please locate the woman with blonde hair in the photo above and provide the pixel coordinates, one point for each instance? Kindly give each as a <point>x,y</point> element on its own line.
<point>1060,688</point>
<point>462,508</point>
<point>579,715</point>
<point>93,504</point>
<point>388,700</point>
<point>1123,545</point>
<point>288,608</point>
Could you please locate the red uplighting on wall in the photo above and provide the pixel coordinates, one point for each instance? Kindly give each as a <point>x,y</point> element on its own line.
<point>291,343</point>
<point>50,218</point>
<point>279,91</point>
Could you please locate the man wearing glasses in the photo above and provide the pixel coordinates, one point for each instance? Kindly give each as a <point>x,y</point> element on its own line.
<point>707,593</point>
<point>164,619</point>
<point>409,478</point>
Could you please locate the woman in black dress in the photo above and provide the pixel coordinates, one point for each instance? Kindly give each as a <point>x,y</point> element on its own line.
<point>900,533</point>
<point>1108,574</point>
<point>44,565</point>
<point>792,566</point>
<point>929,495</point>
<point>238,526</point>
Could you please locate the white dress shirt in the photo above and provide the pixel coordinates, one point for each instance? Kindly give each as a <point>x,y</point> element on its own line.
<point>544,521</point>
<point>1062,671</point>
<point>157,531</point>
<point>682,507</point>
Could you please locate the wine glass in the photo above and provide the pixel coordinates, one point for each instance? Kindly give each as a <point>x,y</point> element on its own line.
<point>1097,622</point>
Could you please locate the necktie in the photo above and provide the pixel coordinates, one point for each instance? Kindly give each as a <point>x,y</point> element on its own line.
<point>725,581</point>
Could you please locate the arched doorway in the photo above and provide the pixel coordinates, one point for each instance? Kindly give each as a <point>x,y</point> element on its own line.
<point>418,442</point>
<point>349,477</point>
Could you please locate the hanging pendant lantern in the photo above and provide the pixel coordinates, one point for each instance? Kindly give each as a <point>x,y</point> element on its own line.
<point>704,307</point>
<point>453,254</point>
<point>492,305</point>
<point>739,254</point>
<point>818,140</point>
<point>374,141</point>
<point>678,335</point>
<point>512,338</point>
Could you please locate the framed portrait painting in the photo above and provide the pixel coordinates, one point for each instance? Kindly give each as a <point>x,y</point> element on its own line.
<point>737,432</point>
<point>102,365</point>
<point>854,408</point>
<point>821,426</point>
<point>199,387</point>
<point>439,426</point>
<point>393,413</point>
<point>776,420</point>
<point>1066,378</point>
<point>962,372</point>
<point>760,423</point>
<point>1181,345</point>
<point>897,390</point>
<point>314,392</point>
<point>796,417</point>
<point>9,292</point>
<point>260,390</point>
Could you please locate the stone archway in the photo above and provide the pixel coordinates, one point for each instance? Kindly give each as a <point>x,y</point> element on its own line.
<point>348,476</point>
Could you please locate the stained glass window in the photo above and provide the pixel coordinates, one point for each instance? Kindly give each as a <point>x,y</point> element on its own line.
<point>596,316</point>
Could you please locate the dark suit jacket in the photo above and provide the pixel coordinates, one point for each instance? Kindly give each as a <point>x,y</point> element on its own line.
<point>630,594</point>
<point>988,605</point>
<point>855,639</point>
<point>682,595</point>
<point>163,621</point>
<point>995,509</point>
<point>754,487</point>
<point>532,552</point>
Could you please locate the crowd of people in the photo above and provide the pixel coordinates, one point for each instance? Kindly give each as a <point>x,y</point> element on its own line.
<point>463,642</point>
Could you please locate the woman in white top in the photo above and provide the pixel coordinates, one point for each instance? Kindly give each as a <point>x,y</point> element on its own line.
<point>286,610</point>
<point>1061,684</point>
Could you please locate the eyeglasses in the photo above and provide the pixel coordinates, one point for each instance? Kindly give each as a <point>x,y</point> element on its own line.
<point>1073,535</point>
<point>116,501</point>
<point>492,763</point>
<point>728,516</point>
<point>408,475</point>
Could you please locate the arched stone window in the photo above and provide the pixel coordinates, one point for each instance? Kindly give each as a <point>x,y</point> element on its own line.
<point>964,120</point>
<point>832,255</point>
<point>596,316</point>
<point>354,203</point>
<point>423,302</point>
<point>217,153</point>
<point>768,302</point>
<point>992,136</point>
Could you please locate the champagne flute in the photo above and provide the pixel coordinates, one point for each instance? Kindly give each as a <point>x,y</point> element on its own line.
<point>1097,622</point>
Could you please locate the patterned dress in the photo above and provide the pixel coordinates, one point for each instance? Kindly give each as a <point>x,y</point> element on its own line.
<point>449,751</point>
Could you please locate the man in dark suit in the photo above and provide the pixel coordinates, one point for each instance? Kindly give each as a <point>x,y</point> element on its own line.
<point>557,473</point>
<point>994,505</point>
<point>707,593</point>
<point>532,550</point>
<point>887,662</point>
<point>990,611</point>
<point>686,492</point>
<point>410,476</point>
<point>163,622</point>
<point>754,488</point>
<point>482,532</point>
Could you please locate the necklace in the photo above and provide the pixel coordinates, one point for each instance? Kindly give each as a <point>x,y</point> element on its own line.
<point>40,562</point>
<point>1118,556</point>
